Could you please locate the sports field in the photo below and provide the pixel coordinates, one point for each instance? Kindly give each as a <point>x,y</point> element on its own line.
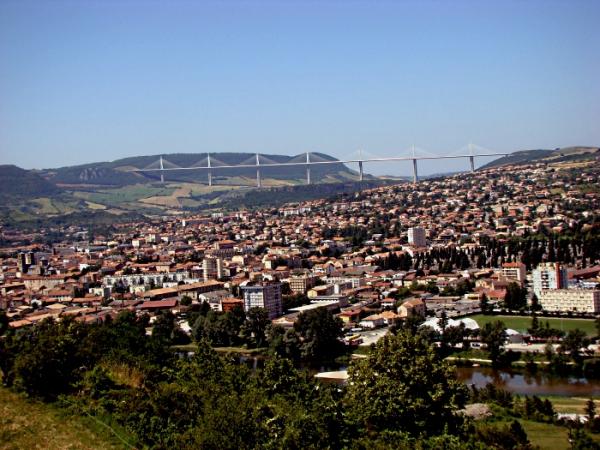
<point>521,323</point>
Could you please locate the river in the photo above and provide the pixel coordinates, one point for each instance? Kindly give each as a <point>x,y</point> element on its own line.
<point>526,384</point>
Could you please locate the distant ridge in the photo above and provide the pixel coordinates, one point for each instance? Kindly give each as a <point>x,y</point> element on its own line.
<point>532,156</point>
<point>17,182</point>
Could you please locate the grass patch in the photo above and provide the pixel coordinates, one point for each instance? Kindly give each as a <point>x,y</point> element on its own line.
<point>570,405</point>
<point>522,323</point>
<point>546,436</point>
<point>125,194</point>
<point>27,424</point>
<point>192,347</point>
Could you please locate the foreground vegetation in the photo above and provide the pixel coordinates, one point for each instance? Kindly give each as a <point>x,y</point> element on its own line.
<point>402,395</point>
<point>29,424</point>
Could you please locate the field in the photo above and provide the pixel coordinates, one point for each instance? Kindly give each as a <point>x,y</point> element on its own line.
<point>546,436</point>
<point>571,405</point>
<point>521,323</point>
<point>25,424</point>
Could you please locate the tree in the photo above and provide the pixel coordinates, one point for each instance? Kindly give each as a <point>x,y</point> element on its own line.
<point>284,343</point>
<point>515,296</point>
<point>484,304</point>
<point>573,342</point>
<point>493,335</point>
<point>319,332</point>
<point>535,326</point>
<point>3,323</point>
<point>590,411</point>
<point>404,386</point>
<point>255,326</point>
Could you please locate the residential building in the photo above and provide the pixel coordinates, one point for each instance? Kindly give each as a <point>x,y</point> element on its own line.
<point>575,300</point>
<point>264,295</point>
<point>409,308</point>
<point>549,276</point>
<point>416,237</point>
<point>212,268</point>
<point>514,272</point>
<point>299,285</point>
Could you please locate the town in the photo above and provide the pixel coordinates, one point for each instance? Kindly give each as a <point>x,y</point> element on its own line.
<point>444,246</point>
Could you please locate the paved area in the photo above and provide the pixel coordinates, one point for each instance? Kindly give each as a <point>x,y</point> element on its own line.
<point>372,336</point>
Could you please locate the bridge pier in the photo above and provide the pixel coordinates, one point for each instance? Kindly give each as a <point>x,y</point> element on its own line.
<point>209,177</point>
<point>360,171</point>
<point>258,180</point>
<point>472,161</point>
<point>162,174</point>
<point>415,172</point>
<point>307,174</point>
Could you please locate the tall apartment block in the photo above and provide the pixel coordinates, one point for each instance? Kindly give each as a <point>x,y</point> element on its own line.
<point>549,276</point>
<point>266,296</point>
<point>416,237</point>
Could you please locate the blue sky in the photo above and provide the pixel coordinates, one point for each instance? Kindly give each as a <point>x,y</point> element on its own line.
<point>84,81</point>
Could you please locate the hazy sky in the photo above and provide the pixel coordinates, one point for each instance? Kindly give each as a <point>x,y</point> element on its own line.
<point>84,81</point>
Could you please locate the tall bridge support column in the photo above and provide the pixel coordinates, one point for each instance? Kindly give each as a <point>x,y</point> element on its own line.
<point>360,171</point>
<point>415,172</point>
<point>472,161</point>
<point>258,180</point>
<point>209,177</point>
<point>307,174</point>
<point>162,174</point>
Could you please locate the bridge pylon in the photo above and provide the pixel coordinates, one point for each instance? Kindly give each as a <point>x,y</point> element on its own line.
<point>415,170</point>
<point>258,180</point>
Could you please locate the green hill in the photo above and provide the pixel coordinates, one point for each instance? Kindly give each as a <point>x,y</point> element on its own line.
<point>556,155</point>
<point>15,181</point>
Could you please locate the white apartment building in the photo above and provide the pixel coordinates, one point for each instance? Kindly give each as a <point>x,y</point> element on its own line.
<point>212,268</point>
<point>575,300</point>
<point>416,237</point>
<point>549,276</point>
